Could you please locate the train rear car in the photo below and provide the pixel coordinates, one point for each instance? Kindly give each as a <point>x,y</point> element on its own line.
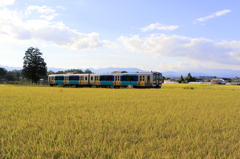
<point>77,80</point>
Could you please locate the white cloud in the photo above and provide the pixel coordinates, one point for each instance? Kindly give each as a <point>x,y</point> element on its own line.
<point>178,66</point>
<point>214,15</point>
<point>4,3</point>
<point>12,25</point>
<point>179,46</point>
<point>159,27</point>
<point>61,7</point>
<point>110,44</point>
<point>133,44</point>
<point>46,12</point>
<point>194,66</point>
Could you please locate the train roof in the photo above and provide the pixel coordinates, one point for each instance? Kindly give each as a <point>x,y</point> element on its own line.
<point>113,73</point>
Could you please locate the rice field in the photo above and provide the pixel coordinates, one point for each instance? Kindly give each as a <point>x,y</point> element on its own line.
<point>177,121</point>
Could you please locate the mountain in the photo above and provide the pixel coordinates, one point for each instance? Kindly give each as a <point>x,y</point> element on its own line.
<point>196,72</point>
<point>111,69</point>
<point>11,68</point>
<point>206,72</point>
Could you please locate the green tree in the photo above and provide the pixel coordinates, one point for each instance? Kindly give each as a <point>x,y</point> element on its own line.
<point>181,80</point>
<point>11,76</point>
<point>189,78</point>
<point>3,72</point>
<point>88,71</point>
<point>50,72</point>
<point>34,66</point>
<point>17,74</point>
<point>59,72</point>
<point>74,71</point>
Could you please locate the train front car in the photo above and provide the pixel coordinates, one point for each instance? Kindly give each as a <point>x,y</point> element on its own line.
<point>157,80</point>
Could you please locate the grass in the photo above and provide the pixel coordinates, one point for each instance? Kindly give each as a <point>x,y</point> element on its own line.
<point>173,122</point>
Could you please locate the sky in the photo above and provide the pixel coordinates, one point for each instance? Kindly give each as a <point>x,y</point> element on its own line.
<point>156,35</point>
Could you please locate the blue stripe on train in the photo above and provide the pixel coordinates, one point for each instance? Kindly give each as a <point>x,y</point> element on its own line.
<point>73,82</point>
<point>129,83</point>
<point>106,82</point>
<point>59,81</point>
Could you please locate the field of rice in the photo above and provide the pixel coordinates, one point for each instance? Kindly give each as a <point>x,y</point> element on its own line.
<point>177,121</point>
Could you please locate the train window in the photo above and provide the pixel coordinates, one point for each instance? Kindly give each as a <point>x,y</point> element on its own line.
<point>157,77</point>
<point>59,78</point>
<point>124,78</point>
<point>148,78</point>
<point>142,78</point>
<point>91,78</point>
<point>96,78</point>
<point>82,77</point>
<point>74,78</point>
<point>129,78</point>
<point>132,78</point>
<point>106,78</point>
<point>154,77</point>
<point>85,78</point>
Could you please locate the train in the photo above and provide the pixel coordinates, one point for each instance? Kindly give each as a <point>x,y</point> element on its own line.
<point>116,79</point>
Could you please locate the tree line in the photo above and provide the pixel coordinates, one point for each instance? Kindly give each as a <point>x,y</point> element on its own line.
<point>188,78</point>
<point>34,69</point>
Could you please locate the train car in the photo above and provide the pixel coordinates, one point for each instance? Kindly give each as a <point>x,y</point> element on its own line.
<point>117,79</point>
<point>69,79</point>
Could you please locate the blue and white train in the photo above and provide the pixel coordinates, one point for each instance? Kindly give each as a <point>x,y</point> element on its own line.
<point>116,79</point>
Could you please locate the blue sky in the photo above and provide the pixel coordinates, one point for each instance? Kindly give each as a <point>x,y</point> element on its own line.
<point>150,35</point>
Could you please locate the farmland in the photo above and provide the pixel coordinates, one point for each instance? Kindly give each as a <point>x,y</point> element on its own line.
<point>178,121</point>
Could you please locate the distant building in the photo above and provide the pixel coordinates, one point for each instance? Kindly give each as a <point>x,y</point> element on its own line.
<point>233,83</point>
<point>206,77</point>
<point>170,81</point>
<point>220,80</point>
<point>199,80</point>
<point>195,82</point>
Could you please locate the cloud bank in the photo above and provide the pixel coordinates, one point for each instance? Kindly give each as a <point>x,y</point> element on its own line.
<point>179,46</point>
<point>4,3</point>
<point>46,12</point>
<point>12,24</point>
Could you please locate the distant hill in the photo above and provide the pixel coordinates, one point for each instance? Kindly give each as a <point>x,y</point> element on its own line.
<point>11,68</point>
<point>196,72</point>
<point>111,69</point>
<point>206,72</point>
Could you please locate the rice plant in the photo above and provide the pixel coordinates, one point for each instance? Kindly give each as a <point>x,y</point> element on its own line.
<point>173,122</point>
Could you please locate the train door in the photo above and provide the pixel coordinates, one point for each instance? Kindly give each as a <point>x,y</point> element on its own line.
<point>142,80</point>
<point>117,80</point>
<point>91,80</point>
<point>86,80</point>
<point>148,80</point>
<point>156,79</point>
<point>82,80</point>
<point>52,81</point>
<point>96,82</point>
<point>66,80</point>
